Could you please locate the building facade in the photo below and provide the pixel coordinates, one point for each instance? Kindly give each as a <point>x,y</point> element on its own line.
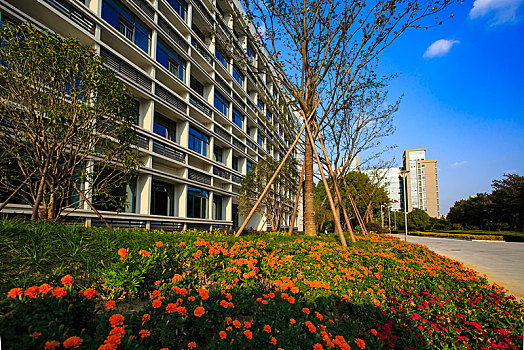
<point>206,113</point>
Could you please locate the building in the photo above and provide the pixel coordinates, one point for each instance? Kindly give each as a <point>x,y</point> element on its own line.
<point>205,112</point>
<point>421,181</point>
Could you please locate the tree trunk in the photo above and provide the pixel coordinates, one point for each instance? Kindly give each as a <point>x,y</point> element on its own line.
<point>39,196</point>
<point>309,186</point>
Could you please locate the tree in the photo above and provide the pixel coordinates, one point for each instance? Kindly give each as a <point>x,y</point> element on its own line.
<point>418,219</point>
<point>508,200</point>
<point>276,204</point>
<point>67,123</point>
<point>321,51</point>
<point>476,211</point>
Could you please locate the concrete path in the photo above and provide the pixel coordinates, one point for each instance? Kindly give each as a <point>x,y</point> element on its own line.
<point>501,262</point>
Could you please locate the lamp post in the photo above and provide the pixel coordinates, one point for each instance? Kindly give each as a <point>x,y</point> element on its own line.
<point>404,174</point>
<point>381,218</point>
<point>389,219</point>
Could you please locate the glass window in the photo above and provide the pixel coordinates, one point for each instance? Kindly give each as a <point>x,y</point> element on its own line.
<point>249,165</point>
<point>250,53</point>
<point>239,77</point>
<point>269,115</point>
<point>120,18</point>
<point>260,140</point>
<point>196,85</point>
<point>238,119</point>
<point>218,152</point>
<point>171,60</point>
<point>235,163</point>
<point>180,7</point>
<point>162,198</point>
<point>260,105</point>
<point>196,203</point>
<point>221,57</point>
<point>217,207</point>
<point>221,103</point>
<point>198,141</point>
<point>164,127</point>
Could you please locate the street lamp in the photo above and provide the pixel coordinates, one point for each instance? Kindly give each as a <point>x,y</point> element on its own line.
<point>404,174</point>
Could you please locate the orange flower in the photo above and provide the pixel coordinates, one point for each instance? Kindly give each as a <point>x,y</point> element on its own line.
<point>13,293</point>
<point>146,318</point>
<point>199,311</point>
<point>247,324</point>
<point>123,253</point>
<point>204,294</point>
<point>60,292</point>
<point>248,334</point>
<point>51,345</point>
<point>73,342</point>
<point>67,280</point>
<point>176,278</point>
<point>311,326</point>
<point>110,305</point>
<point>267,328</point>
<point>156,294</point>
<point>90,293</point>
<point>273,340</point>
<point>182,244</point>
<point>292,321</point>
<point>116,320</point>
<point>223,335</point>
<point>181,310</point>
<point>191,345</point>
<point>224,304</point>
<point>144,253</point>
<point>373,331</point>
<point>144,333</point>
<point>361,344</point>
<point>319,315</point>
<point>291,300</point>
<point>305,310</point>
<point>35,335</point>
<point>237,323</point>
<point>171,307</point>
<point>156,303</point>
<point>32,292</point>
<point>317,346</point>
<point>44,288</point>
<point>159,244</point>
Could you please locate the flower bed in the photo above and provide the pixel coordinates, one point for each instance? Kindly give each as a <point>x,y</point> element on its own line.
<point>267,293</point>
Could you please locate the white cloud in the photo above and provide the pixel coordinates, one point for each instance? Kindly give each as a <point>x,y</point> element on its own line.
<point>457,164</point>
<point>439,48</point>
<point>503,10</point>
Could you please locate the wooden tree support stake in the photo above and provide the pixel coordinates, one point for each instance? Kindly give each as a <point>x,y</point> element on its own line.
<point>290,230</point>
<point>91,206</point>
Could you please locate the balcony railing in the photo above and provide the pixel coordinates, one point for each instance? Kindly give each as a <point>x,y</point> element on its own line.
<point>200,105</point>
<point>221,172</point>
<point>221,132</point>
<point>171,99</point>
<point>125,69</point>
<point>239,101</point>
<point>201,50</point>
<point>239,145</point>
<point>168,151</point>
<point>73,14</point>
<point>204,11</point>
<point>144,5</point>
<point>236,178</point>
<point>199,177</point>
<point>251,145</point>
<point>223,85</point>
<point>142,141</point>
<point>173,34</point>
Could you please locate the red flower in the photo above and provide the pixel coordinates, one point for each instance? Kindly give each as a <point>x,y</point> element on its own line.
<point>123,253</point>
<point>191,345</point>
<point>292,321</point>
<point>35,335</point>
<point>51,345</point>
<point>273,340</point>
<point>90,293</point>
<point>73,342</point>
<point>110,305</point>
<point>32,292</point>
<point>116,320</point>
<point>144,333</point>
<point>237,323</point>
<point>360,343</point>
<point>146,318</point>
<point>67,280</point>
<point>224,304</point>
<point>248,334</point>
<point>317,346</point>
<point>144,253</point>
<point>156,303</point>
<point>60,292</point>
<point>159,244</point>
<point>305,310</point>
<point>44,288</point>
<point>311,326</point>
<point>223,335</point>
<point>199,311</point>
<point>13,293</point>
<point>171,307</point>
<point>267,328</point>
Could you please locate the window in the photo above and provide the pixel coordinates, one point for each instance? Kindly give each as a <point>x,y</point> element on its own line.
<point>269,115</point>
<point>162,198</point>
<point>249,165</point>
<point>250,53</point>
<point>217,207</point>
<point>239,77</point>
<point>137,111</point>
<point>196,203</point>
<point>217,153</point>
<point>198,32</point>
<point>238,119</point>
<point>164,127</point>
<point>260,140</point>
<point>221,57</point>
<point>171,60</point>
<point>180,7</point>
<point>221,103</point>
<point>120,18</point>
<point>260,105</point>
<point>196,85</point>
<point>235,163</point>
<point>198,141</point>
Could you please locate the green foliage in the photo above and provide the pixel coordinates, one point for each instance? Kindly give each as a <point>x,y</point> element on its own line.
<point>61,109</point>
<point>418,220</point>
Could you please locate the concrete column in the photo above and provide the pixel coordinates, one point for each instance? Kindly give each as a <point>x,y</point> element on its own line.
<point>182,130</point>
<point>181,195</point>
<point>210,206</point>
<point>227,204</point>
<point>144,192</point>
<point>147,112</point>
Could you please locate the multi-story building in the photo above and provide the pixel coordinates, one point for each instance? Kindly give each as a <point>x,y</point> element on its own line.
<point>204,100</point>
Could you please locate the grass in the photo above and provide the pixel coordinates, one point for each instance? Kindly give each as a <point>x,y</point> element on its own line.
<point>195,289</point>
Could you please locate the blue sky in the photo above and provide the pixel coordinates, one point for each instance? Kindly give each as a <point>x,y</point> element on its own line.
<point>465,105</point>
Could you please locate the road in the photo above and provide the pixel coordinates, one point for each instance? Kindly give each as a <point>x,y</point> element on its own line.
<point>501,262</point>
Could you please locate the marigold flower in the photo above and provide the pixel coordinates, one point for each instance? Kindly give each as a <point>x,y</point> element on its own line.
<point>191,345</point>
<point>110,305</point>
<point>156,294</point>
<point>171,307</point>
<point>60,292</point>
<point>267,328</point>
<point>123,253</point>
<point>144,253</point>
<point>204,294</point>
<point>373,331</point>
<point>223,335</point>
<point>144,333</point>
<point>146,318</point>
<point>182,244</point>
<point>51,345</point>
<point>248,334</point>
<point>237,323</point>
<point>32,292</point>
<point>159,244</point>
<point>156,303</point>
<point>176,278</point>
<point>318,346</point>
<point>67,280</point>
<point>199,311</point>
<point>247,324</point>
<point>44,289</point>
<point>292,321</point>
<point>319,315</point>
<point>181,310</point>
<point>35,335</point>
<point>13,293</point>
<point>360,343</point>
<point>305,310</point>
<point>73,342</point>
<point>311,326</point>
<point>273,340</point>
<point>90,293</point>
<point>118,332</point>
<point>224,304</point>
<point>116,320</point>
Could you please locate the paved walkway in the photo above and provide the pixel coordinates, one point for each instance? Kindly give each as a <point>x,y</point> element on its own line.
<point>501,262</point>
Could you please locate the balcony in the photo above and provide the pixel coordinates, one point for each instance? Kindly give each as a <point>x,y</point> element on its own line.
<point>236,179</point>
<point>125,70</point>
<point>201,50</point>
<point>199,177</point>
<point>73,14</point>
<point>168,151</point>
<point>146,7</point>
<point>171,33</point>
<point>221,172</point>
<point>199,105</point>
<point>171,99</point>
<point>222,133</point>
<point>142,141</point>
